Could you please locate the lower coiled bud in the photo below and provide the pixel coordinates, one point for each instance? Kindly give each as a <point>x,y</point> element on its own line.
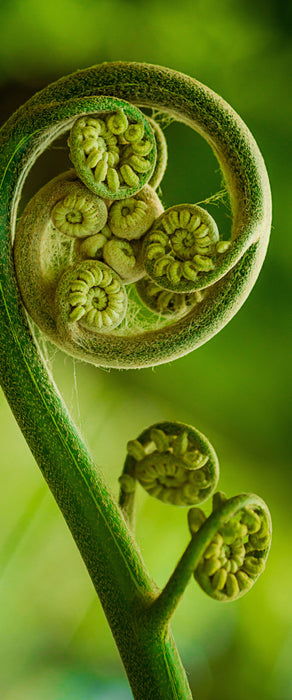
<point>124,258</point>
<point>236,554</point>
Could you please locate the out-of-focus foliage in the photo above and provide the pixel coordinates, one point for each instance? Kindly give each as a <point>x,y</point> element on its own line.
<point>54,640</point>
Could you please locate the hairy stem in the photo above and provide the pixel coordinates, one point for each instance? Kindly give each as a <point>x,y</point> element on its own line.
<point>127,505</point>
<point>105,543</point>
<point>100,532</point>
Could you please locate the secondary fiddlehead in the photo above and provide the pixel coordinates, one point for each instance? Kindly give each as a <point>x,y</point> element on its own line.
<point>110,144</point>
<point>236,555</point>
<point>181,249</point>
<point>173,462</point>
<point>228,550</point>
<point>92,293</point>
<point>78,214</point>
<point>113,152</point>
<point>225,536</point>
<point>133,216</point>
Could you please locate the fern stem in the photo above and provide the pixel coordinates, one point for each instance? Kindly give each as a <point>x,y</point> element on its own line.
<point>96,523</point>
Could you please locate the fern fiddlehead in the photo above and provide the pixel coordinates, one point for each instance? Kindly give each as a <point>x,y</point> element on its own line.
<point>236,555</point>
<point>76,215</point>
<point>94,296</point>
<point>114,163</point>
<point>180,247</point>
<point>116,150</point>
<point>173,462</point>
<point>133,216</point>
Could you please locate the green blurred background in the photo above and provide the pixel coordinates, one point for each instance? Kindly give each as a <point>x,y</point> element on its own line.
<point>54,640</point>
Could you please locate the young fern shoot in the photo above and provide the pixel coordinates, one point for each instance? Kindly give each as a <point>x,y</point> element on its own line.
<point>113,279</point>
<point>183,275</point>
<point>173,462</point>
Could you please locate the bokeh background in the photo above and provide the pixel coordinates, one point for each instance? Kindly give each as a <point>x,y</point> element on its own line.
<point>54,639</point>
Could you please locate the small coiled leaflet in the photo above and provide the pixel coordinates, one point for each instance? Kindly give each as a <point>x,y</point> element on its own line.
<point>182,249</point>
<point>114,150</point>
<point>235,554</point>
<point>122,256</point>
<point>164,302</point>
<point>78,215</point>
<point>173,462</point>
<point>92,294</point>
<point>132,217</point>
<point>125,217</point>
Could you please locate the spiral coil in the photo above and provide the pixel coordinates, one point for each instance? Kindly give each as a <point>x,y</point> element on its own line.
<point>236,555</point>
<point>116,150</point>
<point>173,462</point>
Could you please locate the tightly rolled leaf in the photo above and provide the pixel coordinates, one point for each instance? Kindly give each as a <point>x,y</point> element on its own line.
<point>79,214</point>
<point>182,251</point>
<point>92,294</point>
<point>237,547</point>
<point>124,258</point>
<point>113,150</point>
<point>173,462</point>
<point>132,217</point>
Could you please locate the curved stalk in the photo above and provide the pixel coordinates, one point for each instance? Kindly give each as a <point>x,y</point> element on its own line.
<point>97,525</point>
<point>166,603</point>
